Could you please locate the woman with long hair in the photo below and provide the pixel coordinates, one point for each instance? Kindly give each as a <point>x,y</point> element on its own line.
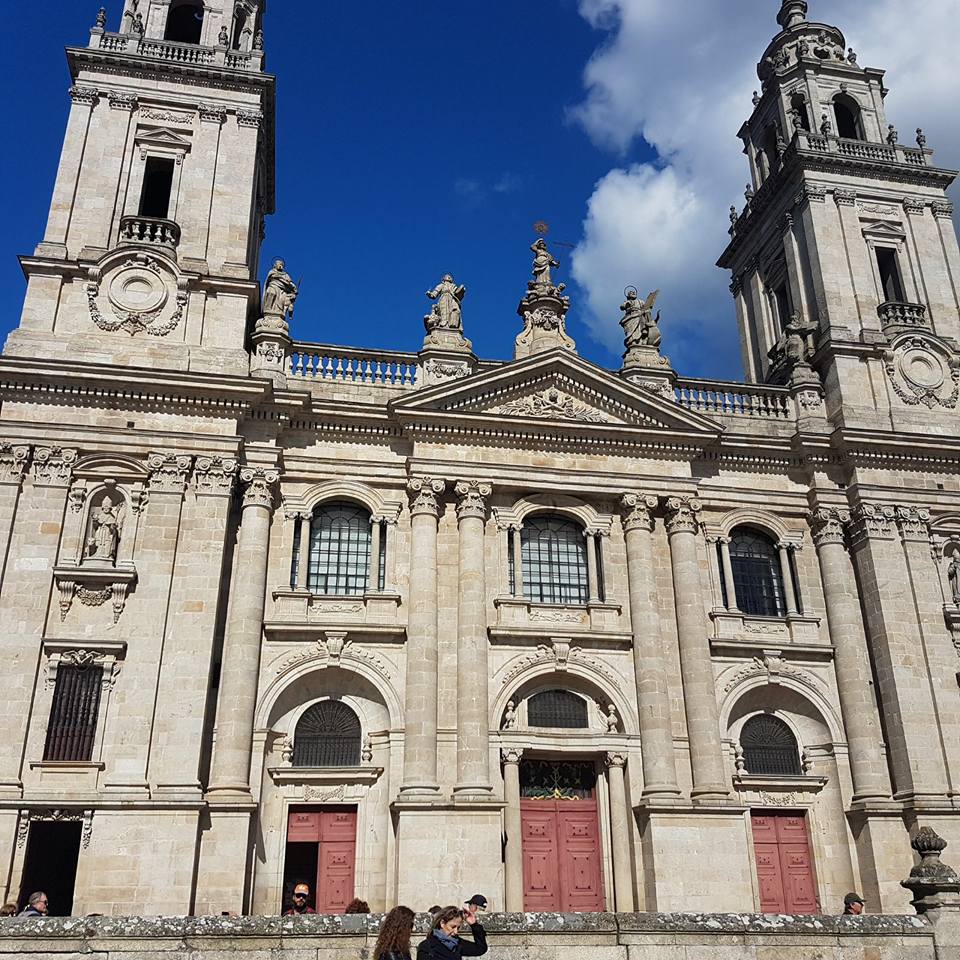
<point>443,941</point>
<point>395,932</point>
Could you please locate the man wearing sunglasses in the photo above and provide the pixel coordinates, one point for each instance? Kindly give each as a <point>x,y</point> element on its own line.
<point>301,896</point>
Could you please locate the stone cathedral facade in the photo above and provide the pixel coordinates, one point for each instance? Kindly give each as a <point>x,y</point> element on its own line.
<point>408,626</point>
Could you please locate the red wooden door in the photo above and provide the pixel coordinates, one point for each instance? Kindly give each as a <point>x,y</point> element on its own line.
<point>334,830</point>
<point>784,865</point>
<point>562,866</point>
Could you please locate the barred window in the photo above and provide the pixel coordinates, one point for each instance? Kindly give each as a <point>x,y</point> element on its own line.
<point>557,709</point>
<point>339,549</point>
<point>327,735</point>
<point>73,715</point>
<point>769,747</point>
<point>554,552</point>
<point>756,573</point>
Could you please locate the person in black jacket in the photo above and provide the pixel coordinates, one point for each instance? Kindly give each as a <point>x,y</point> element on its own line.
<point>444,943</point>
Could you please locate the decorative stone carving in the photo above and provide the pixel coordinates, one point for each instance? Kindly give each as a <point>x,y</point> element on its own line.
<point>510,716</point>
<point>827,525</point>
<point>615,760</point>
<point>121,100</point>
<point>933,883</point>
<point>215,475</point>
<point>82,94</point>
<point>14,458</point>
<point>249,118</point>
<point>791,354</point>
<point>942,208</point>
<point>558,656</point>
<point>440,371</point>
<point>913,522</point>
<point>639,324</point>
<point>258,486</point>
<point>552,404</point>
<point>914,206</point>
<point>335,643</point>
<point>473,496</point>
<point>366,751</point>
<point>873,520</point>
<point>286,750</point>
<point>812,193</point>
<point>772,668</point>
<point>279,292</point>
<point>53,466</point>
<point>953,578</point>
<point>56,816</point>
<point>424,493</point>
<point>611,719</point>
<point>212,113</point>
<point>683,515</point>
<point>637,511</point>
<point>143,295</point>
<point>444,323</point>
<point>543,309</point>
<point>168,472</point>
<point>922,371</point>
<point>511,754</point>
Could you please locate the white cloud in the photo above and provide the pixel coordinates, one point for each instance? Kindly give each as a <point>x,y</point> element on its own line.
<point>679,75</point>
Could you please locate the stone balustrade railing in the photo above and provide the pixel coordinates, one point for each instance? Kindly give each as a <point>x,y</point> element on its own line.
<point>312,361</point>
<point>150,230</point>
<point>174,52</point>
<point>895,312</point>
<point>863,149</point>
<point>734,399</point>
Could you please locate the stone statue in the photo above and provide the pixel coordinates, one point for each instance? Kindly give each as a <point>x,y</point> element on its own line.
<point>510,717</point>
<point>446,313</point>
<point>543,263</point>
<point>224,38</point>
<point>639,325</point>
<point>795,347</point>
<point>104,538</point>
<point>953,575</point>
<point>613,721</point>
<point>892,135</point>
<point>826,127</point>
<point>102,18</point>
<point>279,292</point>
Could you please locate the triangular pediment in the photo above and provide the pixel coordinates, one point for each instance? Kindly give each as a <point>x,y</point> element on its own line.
<point>555,391</point>
<point>163,137</point>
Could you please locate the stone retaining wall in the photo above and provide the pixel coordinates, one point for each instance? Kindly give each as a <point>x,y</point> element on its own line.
<point>640,936</point>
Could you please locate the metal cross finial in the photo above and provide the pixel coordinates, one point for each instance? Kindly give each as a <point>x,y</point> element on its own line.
<point>541,227</point>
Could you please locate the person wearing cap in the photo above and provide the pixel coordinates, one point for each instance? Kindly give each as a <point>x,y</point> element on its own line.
<point>444,943</point>
<point>301,896</point>
<point>852,905</point>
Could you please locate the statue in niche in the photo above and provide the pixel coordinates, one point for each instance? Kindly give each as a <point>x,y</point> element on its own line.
<point>639,324</point>
<point>953,575</point>
<point>103,539</point>
<point>510,717</point>
<point>543,263</point>
<point>446,313</point>
<point>279,292</point>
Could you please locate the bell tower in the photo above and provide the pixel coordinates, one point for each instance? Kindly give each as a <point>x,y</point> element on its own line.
<point>151,249</point>
<point>845,256</point>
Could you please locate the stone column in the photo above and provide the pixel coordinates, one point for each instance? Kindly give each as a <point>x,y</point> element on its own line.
<point>650,669</point>
<point>728,580</point>
<point>851,659</point>
<point>376,530</point>
<point>303,558</point>
<point>473,727</point>
<point>516,540</point>
<point>230,773</point>
<point>513,877</point>
<point>696,668</point>
<point>620,834</point>
<point>786,574</point>
<point>420,737</point>
<point>593,581</point>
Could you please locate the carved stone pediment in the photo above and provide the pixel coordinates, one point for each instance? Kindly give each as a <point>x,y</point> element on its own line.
<point>553,392</point>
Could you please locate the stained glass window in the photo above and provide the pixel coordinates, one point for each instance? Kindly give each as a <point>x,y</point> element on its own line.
<point>554,552</point>
<point>769,747</point>
<point>328,735</point>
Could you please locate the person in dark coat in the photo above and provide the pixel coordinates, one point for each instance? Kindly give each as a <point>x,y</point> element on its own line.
<point>444,943</point>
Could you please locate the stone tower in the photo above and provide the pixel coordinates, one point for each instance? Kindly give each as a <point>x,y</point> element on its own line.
<point>846,255</point>
<point>151,249</point>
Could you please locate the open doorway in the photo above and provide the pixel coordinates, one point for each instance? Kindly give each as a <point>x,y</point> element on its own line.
<point>53,851</point>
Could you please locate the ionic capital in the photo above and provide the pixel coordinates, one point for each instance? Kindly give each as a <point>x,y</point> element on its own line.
<point>827,525</point>
<point>636,510</point>
<point>683,515</point>
<point>14,458</point>
<point>472,496</point>
<point>258,486</point>
<point>215,475</point>
<point>425,493</point>
<point>168,472</point>
<point>53,466</point>
<point>511,754</point>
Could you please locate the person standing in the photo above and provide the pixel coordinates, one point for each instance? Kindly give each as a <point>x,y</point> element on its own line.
<point>37,905</point>
<point>443,941</point>
<point>301,897</point>
<point>393,943</point>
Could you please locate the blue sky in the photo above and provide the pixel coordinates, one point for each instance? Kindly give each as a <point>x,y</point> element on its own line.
<point>420,138</point>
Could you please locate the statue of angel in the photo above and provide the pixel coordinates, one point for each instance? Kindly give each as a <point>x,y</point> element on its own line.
<point>639,325</point>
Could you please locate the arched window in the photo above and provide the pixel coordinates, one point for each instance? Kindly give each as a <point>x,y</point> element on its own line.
<point>849,122</point>
<point>557,709</point>
<point>756,573</point>
<point>185,22</point>
<point>339,549</point>
<point>769,747</point>
<point>798,105</point>
<point>327,735</point>
<point>554,552</point>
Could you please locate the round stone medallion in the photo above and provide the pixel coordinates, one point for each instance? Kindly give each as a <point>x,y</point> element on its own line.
<point>137,289</point>
<point>922,368</point>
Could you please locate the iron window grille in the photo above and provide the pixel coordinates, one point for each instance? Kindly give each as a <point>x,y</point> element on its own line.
<point>327,735</point>
<point>770,748</point>
<point>339,562</point>
<point>557,779</point>
<point>557,709</point>
<point>554,556</point>
<point>73,714</point>
<point>756,574</point>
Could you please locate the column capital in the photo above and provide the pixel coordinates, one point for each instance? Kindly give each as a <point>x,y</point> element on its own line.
<point>511,754</point>
<point>258,486</point>
<point>873,521</point>
<point>168,472</point>
<point>683,515</point>
<point>53,466</point>
<point>215,475</point>
<point>424,493</point>
<point>827,525</point>
<point>913,523</point>
<point>615,760</point>
<point>472,496</point>
<point>14,458</point>
<point>636,511</point>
